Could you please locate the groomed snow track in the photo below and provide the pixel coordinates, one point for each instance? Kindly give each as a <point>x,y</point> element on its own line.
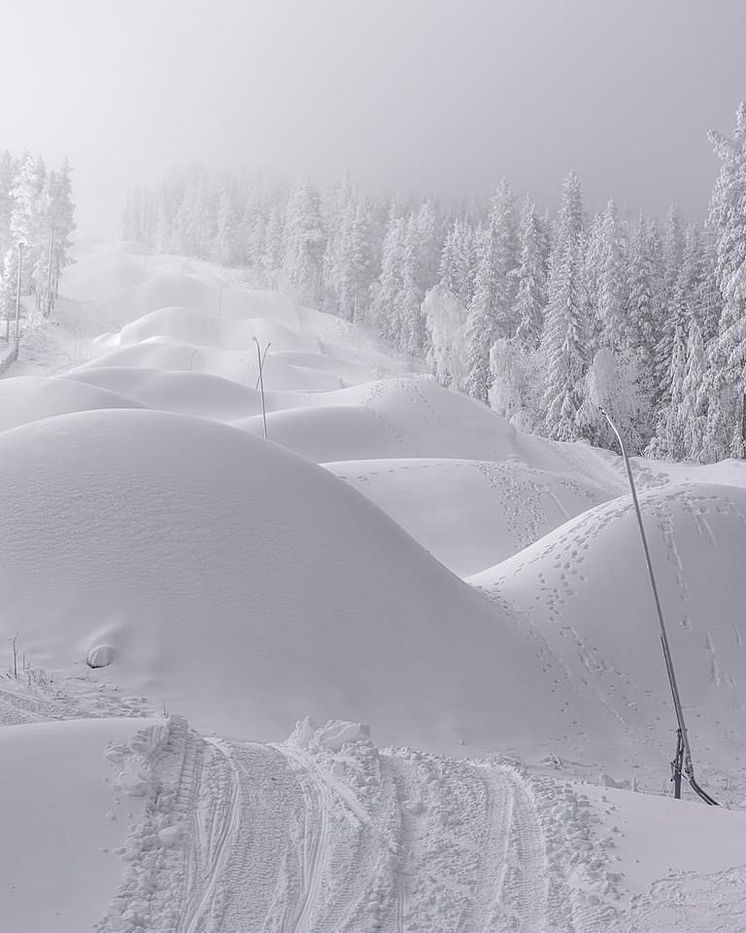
<point>320,836</point>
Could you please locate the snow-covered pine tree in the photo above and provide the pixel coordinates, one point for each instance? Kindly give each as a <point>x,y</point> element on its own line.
<point>564,344</point>
<point>274,244</point>
<point>531,276</point>
<point>612,283</point>
<point>457,261</point>
<point>384,314</point>
<point>725,434</point>
<point>694,414</point>
<point>306,242</point>
<point>669,443</point>
<point>565,338</point>
<point>672,314</point>
<point>491,307</point>
<point>352,269</point>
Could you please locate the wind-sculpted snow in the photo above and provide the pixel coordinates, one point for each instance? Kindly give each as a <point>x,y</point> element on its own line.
<point>244,585</point>
<point>583,590</point>
<point>31,398</point>
<point>159,557</point>
<point>470,514</point>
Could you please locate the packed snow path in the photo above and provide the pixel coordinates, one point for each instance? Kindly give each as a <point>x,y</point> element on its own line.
<point>329,833</point>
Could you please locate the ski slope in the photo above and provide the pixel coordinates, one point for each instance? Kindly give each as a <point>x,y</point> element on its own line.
<point>463,605</point>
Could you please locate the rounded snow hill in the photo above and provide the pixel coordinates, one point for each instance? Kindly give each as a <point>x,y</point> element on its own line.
<point>183,392</point>
<point>240,366</point>
<point>470,514</point>
<point>584,589</point>
<point>248,588</point>
<point>415,417</point>
<point>24,399</point>
<point>190,325</point>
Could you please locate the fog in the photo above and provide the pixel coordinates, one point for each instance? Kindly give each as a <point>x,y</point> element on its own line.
<point>436,96</point>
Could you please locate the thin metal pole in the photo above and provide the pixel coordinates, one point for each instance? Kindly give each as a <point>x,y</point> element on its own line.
<point>50,257</point>
<point>264,357</point>
<point>260,361</point>
<point>18,297</point>
<point>685,751</point>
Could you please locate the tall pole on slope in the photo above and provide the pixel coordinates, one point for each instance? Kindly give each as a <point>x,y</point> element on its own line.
<point>260,362</point>
<point>50,275</point>
<point>683,757</point>
<point>18,297</point>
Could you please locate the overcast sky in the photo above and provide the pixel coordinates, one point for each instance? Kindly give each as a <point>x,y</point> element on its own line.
<point>439,96</point>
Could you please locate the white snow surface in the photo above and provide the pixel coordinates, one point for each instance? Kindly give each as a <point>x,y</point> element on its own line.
<point>463,605</point>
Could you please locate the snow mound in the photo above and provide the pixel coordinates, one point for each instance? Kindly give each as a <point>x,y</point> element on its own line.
<point>247,587</point>
<point>470,514</point>
<point>182,392</point>
<point>239,366</point>
<point>584,589</point>
<point>24,399</point>
<point>190,325</point>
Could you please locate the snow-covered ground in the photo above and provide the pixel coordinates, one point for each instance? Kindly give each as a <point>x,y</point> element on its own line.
<point>395,556</point>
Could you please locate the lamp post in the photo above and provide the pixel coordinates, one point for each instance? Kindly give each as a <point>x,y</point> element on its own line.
<point>682,761</point>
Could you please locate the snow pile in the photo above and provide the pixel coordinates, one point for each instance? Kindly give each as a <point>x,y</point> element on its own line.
<point>246,586</point>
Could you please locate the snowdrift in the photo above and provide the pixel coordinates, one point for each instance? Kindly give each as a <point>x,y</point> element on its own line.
<point>247,587</point>
<point>469,514</point>
<point>61,823</point>
<point>24,399</point>
<point>584,590</point>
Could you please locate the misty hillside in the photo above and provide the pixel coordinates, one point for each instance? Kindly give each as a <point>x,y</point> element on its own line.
<point>373,467</point>
<point>448,618</point>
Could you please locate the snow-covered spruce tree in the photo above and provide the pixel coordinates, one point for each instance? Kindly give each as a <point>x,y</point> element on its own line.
<point>564,340</point>
<point>384,316</point>
<point>306,243</point>
<point>418,274</point>
<point>672,314</point>
<point>669,442</point>
<point>725,434</point>
<point>227,247</point>
<point>8,169</point>
<point>612,283</point>
<point>274,244</point>
<point>351,266</point>
<point>531,276</point>
<point>445,320</point>
<point>457,261</point>
<point>643,316</point>
<point>694,403</point>
<point>518,378</point>
<point>491,307</point>
<point>563,346</point>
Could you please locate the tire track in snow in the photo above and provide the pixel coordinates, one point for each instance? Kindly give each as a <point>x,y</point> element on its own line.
<point>524,905</point>
<point>215,822</point>
<point>315,849</point>
<point>491,880</point>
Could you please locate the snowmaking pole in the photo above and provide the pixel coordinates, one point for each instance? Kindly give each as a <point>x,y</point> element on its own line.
<point>682,761</point>
<point>260,361</point>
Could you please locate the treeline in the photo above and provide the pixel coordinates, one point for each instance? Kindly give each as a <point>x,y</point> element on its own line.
<point>36,222</point>
<point>544,316</point>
